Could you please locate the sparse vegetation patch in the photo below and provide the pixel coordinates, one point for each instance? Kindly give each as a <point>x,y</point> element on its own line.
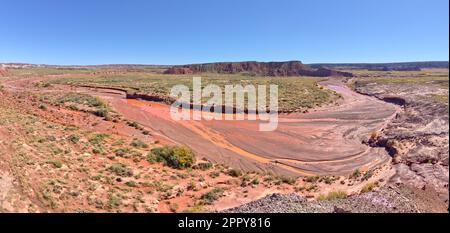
<point>180,157</point>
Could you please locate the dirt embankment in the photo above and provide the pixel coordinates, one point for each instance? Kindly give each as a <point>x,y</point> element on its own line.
<point>3,72</point>
<point>290,68</point>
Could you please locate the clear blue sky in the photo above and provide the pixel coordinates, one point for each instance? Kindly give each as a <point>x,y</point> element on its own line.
<point>180,31</point>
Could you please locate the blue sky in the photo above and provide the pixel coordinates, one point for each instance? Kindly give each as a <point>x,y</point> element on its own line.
<point>180,31</point>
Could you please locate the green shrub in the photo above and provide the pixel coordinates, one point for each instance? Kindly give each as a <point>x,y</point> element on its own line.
<point>122,152</point>
<point>55,163</point>
<point>101,112</point>
<point>175,156</point>
<point>214,174</point>
<point>73,107</point>
<point>137,156</point>
<point>212,195</point>
<point>327,180</point>
<point>368,187</point>
<point>138,143</point>
<point>119,142</point>
<point>367,175</point>
<point>287,180</point>
<point>255,181</point>
<point>197,208</point>
<point>74,138</point>
<point>203,166</point>
<point>131,184</point>
<point>334,195</point>
<point>152,158</point>
<point>121,169</point>
<point>159,186</point>
<point>145,132</point>
<point>173,207</point>
<point>355,174</point>
<point>191,186</point>
<point>113,201</point>
<point>98,139</point>
<point>133,124</point>
<point>234,172</point>
<point>312,179</point>
<point>97,150</point>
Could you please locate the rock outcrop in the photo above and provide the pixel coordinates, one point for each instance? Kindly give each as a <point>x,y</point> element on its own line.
<point>390,199</point>
<point>418,137</point>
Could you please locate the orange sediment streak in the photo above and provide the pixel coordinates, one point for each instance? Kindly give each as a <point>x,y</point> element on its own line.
<point>214,137</point>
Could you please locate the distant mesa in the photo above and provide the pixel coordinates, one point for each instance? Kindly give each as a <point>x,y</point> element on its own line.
<point>289,68</point>
<point>402,68</point>
<point>398,66</point>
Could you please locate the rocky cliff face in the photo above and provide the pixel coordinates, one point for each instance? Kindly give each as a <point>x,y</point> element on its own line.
<point>290,68</point>
<point>418,137</point>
